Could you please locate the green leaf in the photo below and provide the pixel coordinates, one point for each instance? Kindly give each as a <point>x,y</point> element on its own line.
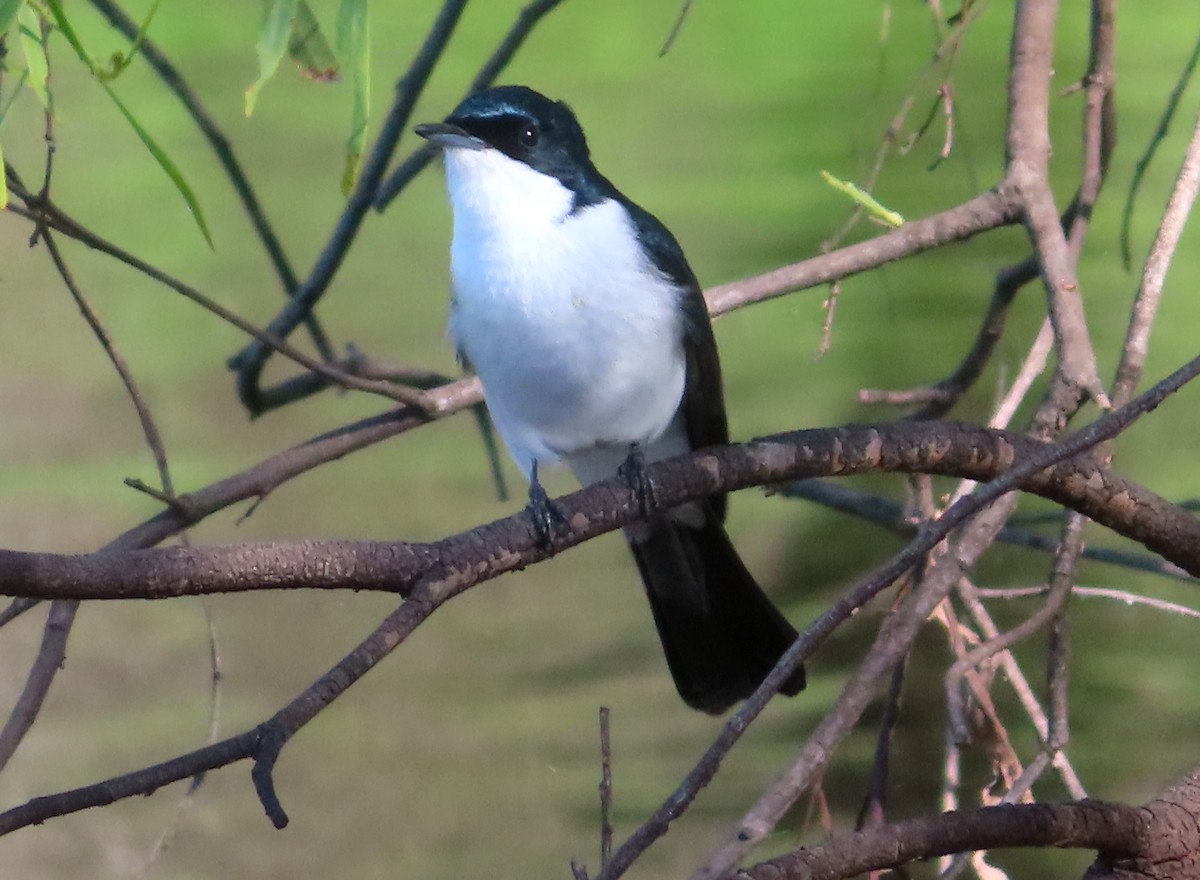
<point>308,47</point>
<point>8,11</point>
<point>35,53</point>
<point>3,181</point>
<point>272,43</point>
<point>354,48</point>
<point>12,96</point>
<point>865,200</point>
<point>164,162</point>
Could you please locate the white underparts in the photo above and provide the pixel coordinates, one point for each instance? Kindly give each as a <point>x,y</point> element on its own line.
<point>575,335</point>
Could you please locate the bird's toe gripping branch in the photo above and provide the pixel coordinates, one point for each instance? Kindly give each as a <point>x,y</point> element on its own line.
<point>548,518</point>
<point>633,471</point>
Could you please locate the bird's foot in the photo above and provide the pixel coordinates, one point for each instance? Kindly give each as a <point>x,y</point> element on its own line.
<point>548,518</point>
<point>633,470</point>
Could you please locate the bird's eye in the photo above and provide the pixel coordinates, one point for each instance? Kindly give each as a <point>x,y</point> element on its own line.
<point>529,135</point>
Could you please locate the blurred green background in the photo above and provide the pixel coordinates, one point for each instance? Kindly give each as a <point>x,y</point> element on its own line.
<point>472,750</point>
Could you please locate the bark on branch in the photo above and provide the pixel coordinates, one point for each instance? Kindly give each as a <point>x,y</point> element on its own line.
<point>1157,841</point>
<point>459,561</point>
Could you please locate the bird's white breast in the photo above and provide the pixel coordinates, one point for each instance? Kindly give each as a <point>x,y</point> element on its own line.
<point>575,335</point>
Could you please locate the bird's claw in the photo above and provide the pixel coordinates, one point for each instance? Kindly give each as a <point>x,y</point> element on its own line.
<point>633,471</point>
<point>548,518</point>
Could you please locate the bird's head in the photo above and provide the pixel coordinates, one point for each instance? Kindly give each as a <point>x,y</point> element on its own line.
<point>523,126</point>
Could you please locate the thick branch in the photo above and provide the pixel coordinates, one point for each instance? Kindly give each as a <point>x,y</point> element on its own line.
<point>1028,142</point>
<point>943,448</point>
<point>266,741</point>
<point>1086,825</point>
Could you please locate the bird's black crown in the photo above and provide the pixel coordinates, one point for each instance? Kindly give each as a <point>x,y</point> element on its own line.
<point>542,133</point>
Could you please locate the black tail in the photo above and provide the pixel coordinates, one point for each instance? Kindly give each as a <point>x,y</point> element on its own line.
<point>720,632</point>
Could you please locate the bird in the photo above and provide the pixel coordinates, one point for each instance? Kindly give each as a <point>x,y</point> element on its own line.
<point>587,328</point>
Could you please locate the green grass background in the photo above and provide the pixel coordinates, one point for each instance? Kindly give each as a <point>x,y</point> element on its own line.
<point>472,751</point>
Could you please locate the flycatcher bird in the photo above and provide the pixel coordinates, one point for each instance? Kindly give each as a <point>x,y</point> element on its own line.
<point>587,328</point>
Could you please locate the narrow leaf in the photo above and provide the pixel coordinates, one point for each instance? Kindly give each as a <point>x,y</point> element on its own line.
<point>309,48</point>
<point>354,49</point>
<point>272,43</point>
<point>3,181</point>
<point>166,164</point>
<point>35,53</point>
<point>865,200</point>
<point>156,151</point>
<point>8,11</point>
<point>12,96</point>
<point>60,20</point>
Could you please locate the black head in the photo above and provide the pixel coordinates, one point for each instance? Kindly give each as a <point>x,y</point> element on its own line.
<point>524,125</point>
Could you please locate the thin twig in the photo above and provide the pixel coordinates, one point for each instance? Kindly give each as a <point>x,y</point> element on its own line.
<point>16,608</point>
<point>874,808</point>
<point>1017,680</point>
<point>50,656</point>
<point>986,211</point>
<point>1145,304</point>
<point>895,635</point>
<point>891,515</point>
<point>684,9</point>
<point>1061,583</point>
<point>951,778</point>
<point>1156,139</point>
<point>941,62</point>
<point>62,614</point>
<point>175,81</point>
<point>987,728</point>
<point>606,789</point>
<point>1099,121</point>
<point>48,111</point>
<point>1020,788</point>
<point>53,217</point>
<point>1031,368</point>
<point>1062,577</point>
<point>827,324</point>
<point>415,163</point>
<point>145,418</point>
<point>249,362</point>
<point>1125,597</point>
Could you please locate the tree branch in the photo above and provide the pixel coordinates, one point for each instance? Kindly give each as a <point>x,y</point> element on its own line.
<point>697,475</point>
<point>249,362</point>
<point>943,448</point>
<point>986,211</point>
<point>526,21</point>
<point>1145,304</point>
<point>1087,825</point>
<point>1028,144</point>
<point>175,81</point>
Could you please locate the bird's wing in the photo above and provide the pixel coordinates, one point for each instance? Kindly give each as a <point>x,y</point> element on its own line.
<point>703,396</point>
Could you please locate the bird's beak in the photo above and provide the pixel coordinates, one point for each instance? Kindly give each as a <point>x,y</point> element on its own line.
<point>449,136</point>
